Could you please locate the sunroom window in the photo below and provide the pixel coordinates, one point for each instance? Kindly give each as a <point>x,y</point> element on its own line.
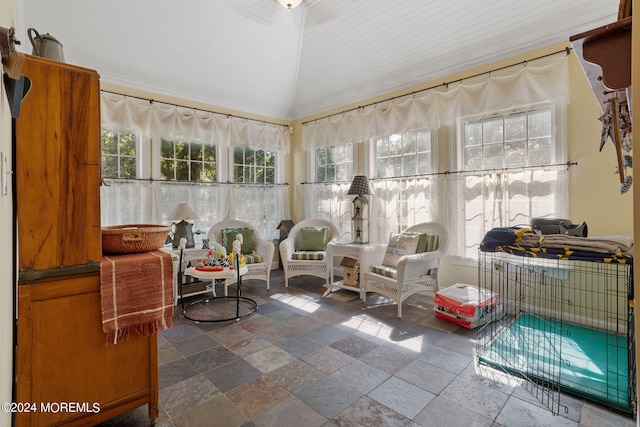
<point>510,164</point>
<point>187,161</point>
<point>254,166</point>
<point>119,154</point>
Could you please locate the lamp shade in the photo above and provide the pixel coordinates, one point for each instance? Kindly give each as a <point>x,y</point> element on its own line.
<point>359,186</point>
<point>183,212</point>
<point>289,4</point>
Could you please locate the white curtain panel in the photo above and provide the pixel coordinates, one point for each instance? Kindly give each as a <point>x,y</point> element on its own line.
<point>548,81</point>
<point>150,202</point>
<point>330,201</point>
<point>480,202</point>
<point>159,120</point>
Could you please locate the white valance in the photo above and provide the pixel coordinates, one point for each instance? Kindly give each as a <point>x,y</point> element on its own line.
<point>159,120</point>
<point>530,84</point>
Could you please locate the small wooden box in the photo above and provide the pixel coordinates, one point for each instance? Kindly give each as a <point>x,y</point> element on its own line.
<point>351,271</point>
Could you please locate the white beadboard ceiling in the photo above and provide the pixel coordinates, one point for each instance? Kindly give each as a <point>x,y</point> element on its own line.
<point>257,57</point>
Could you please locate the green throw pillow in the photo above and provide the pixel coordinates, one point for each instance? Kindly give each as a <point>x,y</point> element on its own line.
<point>313,238</point>
<point>230,234</point>
<point>422,241</point>
<point>426,243</point>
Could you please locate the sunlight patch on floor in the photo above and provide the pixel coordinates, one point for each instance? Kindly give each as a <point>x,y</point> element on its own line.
<point>375,328</point>
<point>300,302</point>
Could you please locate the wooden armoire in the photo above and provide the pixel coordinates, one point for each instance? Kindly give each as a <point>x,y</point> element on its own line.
<point>64,369</point>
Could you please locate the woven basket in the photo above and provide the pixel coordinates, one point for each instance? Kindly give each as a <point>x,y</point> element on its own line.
<point>133,238</point>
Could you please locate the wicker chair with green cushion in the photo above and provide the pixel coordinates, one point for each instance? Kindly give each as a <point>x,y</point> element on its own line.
<point>410,264</point>
<point>258,253</point>
<point>303,251</point>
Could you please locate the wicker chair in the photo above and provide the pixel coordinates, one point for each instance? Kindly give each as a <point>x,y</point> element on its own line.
<point>290,249</point>
<point>263,248</point>
<point>416,273</point>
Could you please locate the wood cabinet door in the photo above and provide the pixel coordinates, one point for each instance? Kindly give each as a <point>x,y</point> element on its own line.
<point>62,357</point>
<point>58,167</point>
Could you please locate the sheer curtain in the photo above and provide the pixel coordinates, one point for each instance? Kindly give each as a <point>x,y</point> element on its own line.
<point>467,204</point>
<point>330,201</point>
<point>479,202</point>
<point>145,201</point>
<point>398,203</point>
<point>159,120</point>
<point>545,81</point>
<point>150,202</point>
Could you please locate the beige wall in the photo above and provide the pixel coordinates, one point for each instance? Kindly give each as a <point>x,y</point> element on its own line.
<point>8,18</point>
<point>594,194</point>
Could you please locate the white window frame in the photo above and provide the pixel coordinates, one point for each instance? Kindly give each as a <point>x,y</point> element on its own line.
<point>230,176</point>
<point>559,147</point>
<point>312,163</point>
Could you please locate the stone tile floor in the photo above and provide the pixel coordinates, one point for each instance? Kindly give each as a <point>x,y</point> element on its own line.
<point>304,360</point>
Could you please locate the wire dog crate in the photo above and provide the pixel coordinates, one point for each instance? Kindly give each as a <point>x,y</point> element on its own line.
<point>567,326</point>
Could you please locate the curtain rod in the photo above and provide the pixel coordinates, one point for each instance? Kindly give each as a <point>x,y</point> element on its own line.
<point>567,50</point>
<point>171,181</point>
<point>151,101</point>
<point>470,172</point>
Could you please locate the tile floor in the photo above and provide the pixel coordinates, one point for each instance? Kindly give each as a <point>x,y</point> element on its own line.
<point>304,360</point>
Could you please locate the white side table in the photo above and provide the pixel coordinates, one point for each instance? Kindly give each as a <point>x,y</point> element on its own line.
<point>366,254</point>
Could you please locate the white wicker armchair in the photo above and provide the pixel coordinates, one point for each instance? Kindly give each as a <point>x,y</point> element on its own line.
<point>416,273</point>
<point>264,248</point>
<point>289,248</point>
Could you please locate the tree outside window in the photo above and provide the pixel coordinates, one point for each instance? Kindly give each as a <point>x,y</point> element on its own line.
<point>119,155</point>
<point>254,166</point>
<point>187,161</point>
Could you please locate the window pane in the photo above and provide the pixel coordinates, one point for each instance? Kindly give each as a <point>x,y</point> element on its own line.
<point>166,149</point>
<point>110,166</point>
<point>405,154</point>
<point>109,143</point>
<point>167,169</point>
<point>196,171</point>
<point>209,153</point>
<point>334,163</point>
<point>515,126</point>
<point>472,133</point>
<point>182,171</point>
<point>128,167</point>
<point>182,150</point>
<point>515,154</point>
<point>209,172</point>
<point>540,123</point>
<point>118,154</point>
<point>492,130</point>
<point>195,151</point>
<point>526,142</point>
<point>492,154</point>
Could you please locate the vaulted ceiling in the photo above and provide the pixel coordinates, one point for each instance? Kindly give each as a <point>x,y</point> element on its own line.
<point>257,57</point>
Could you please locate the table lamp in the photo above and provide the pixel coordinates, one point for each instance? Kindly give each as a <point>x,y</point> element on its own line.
<point>182,229</point>
<point>360,209</point>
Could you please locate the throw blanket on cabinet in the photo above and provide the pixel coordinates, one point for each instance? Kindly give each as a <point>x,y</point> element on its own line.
<point>137,294</point>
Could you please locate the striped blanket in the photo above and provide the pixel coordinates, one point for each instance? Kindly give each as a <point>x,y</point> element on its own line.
<point>523,241</point>
<point>136,293</point>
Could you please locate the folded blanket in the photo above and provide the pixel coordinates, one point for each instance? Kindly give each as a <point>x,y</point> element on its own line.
<point>599,244</point>
<point>524,242</point>
<point>136,293</point>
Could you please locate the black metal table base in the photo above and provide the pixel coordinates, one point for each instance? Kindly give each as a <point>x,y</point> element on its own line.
<point>251,307</point>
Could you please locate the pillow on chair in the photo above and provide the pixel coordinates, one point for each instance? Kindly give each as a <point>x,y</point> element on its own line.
<point>230,234</point>
<point>426,243</point>
<point>400,245</point>
<point>313,238</point>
